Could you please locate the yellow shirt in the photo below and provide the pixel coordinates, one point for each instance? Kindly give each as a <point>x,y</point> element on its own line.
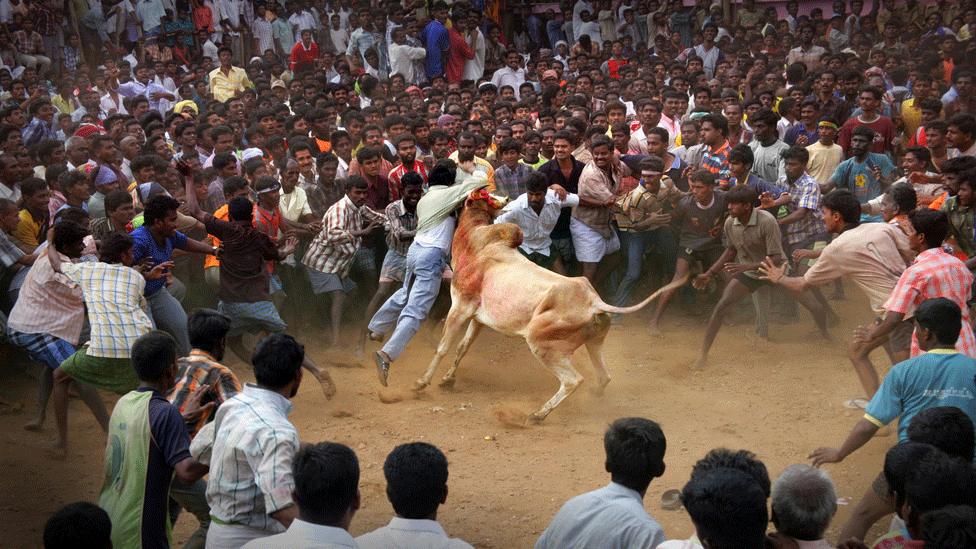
<point>224,86</point>
<point>28,231</point>
<point>911,116</point>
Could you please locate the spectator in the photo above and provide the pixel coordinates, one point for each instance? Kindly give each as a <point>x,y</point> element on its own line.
<point>803,504</point>
<point>79,525</point>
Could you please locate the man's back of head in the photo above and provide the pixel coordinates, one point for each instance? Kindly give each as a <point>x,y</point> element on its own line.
<point>326,484</point>
<point>277,362</point>
<point>947,428</point>
<point>635,452</point>
<point>804,501</point>
<point>79,525</point>
<point>728,508</point>
<point>416,480</point>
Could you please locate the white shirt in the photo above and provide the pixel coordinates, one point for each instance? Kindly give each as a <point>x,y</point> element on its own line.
<point>306,535</point>
<point>474,69</point>
<point>403,533</point>
<point>249,446</point>
<point>439,236</point>
<point>578,9</point>
<point>11,194</point>
<point>608,518</point>
<point>591,29</point>
<point>505,76</point>
<point>111,107</point>
<point>300,21</point>
<point>402,57</point>
<point>536,227</point>
<point>294,204</point>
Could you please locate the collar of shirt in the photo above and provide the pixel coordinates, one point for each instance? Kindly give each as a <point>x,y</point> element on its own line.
<point>417,525</point>
<point>942,352</point>
<point>927,255</point>
<point>269,397</point>
<point>203,354</point>
<point>753,219</point>
<point>322,535</point>
<point>621,490</point>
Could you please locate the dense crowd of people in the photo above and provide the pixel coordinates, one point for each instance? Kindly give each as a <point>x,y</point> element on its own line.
<point>182,179</point>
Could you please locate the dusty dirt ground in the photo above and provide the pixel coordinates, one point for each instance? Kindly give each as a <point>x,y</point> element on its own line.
<point>780,400</point>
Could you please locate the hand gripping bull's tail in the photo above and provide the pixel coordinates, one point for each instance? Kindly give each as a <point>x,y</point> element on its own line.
<point>675,284</point>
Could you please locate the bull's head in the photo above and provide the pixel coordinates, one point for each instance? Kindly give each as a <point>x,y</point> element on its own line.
<point>481,199</point>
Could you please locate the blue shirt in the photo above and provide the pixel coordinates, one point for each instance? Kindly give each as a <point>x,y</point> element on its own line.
<point>436,40</point>
<point>858,178</point>
<point>144,245</point>
<point>940,377</point>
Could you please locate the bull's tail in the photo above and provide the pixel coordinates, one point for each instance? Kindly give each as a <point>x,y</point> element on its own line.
<point>674,285</point>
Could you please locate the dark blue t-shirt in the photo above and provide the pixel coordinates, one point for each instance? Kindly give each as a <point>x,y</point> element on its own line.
<point>170,445</point>
<point>144,245</point>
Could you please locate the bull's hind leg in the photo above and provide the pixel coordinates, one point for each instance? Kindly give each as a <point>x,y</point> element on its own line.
<point>561,365</point>
<point>453,328</point>
<point>595,349</point>
<point>474,328</point>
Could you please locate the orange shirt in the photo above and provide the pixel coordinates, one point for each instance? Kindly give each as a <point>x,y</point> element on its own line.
<point>211,260</point>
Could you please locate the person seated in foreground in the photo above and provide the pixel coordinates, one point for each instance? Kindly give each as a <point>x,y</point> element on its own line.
<point>804,502</point>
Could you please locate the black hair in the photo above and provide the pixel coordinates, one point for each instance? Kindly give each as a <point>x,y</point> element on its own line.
<point>411,179</point>
<point>79,525</point>
<point>947,428</point>
<point>356,182</point>
<point>252,165</point>
<point>112,247</point>
<point>865,132</point>
<point>796,153</point>
<point>951,527</point>
<point>443,173</point>
<point>416,479</point>
<point>843,202</point>
<point>932,224</point>
<point>207,328</point>
<point>727,507</point>
<point>718,122</point>
<point>326,481</point>
<point>152,354</point>
<point>276,359</point>
<point>635,452</point>
<point>116,199</point>
<point>703,176</point>
<point>935,481</point>
<point>68,234</point>
<point>367,153</point>
<point>965,123</point>
<point>742,153</point>
<point>240,208</point>
<point>765,115</point>
<point>234,184</point>
<point>71,178</point>
<point>536,182</point>
<point>742,460</point>
<point>741,194</point>
<point>158,208</point>
<point>899,459</point>
<point>31,186</point>
<point>942,317</point>
<point>903,196</point>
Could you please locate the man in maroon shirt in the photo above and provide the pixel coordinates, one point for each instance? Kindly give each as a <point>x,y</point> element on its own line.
<point>869,99</point>
<point>459,51</point>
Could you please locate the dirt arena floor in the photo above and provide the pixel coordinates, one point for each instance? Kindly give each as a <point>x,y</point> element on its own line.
<point>780,400</point>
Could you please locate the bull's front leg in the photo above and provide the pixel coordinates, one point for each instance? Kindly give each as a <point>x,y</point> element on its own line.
<point>474,327</point>
<point>453,329</point>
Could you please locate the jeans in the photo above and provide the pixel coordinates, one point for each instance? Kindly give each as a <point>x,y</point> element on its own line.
<point>635,245</point>
<point>168,315</point>
<point>193,498</point>
<point>408,307</point>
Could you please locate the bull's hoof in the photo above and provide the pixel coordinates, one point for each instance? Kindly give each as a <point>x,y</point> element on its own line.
<point>447,383</point>
<point>420,385</point>
<point>598,389</point>
<point>535,419</point>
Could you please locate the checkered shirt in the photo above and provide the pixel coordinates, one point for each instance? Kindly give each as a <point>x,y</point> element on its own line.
<point>196,370</point>
<point>804,193</point>
<point>398,221</point>
<point>116,307</point>
<point>511,183</point>
<point>935,273</point>
<point>716,162</point>
<point>331,250</point>
<point>32,44</point>
<point>49,302</point>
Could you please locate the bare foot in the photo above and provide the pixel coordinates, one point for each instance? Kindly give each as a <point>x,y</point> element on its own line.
<point>328,387</point>
<point>654,330</point>
<point>700,364</point>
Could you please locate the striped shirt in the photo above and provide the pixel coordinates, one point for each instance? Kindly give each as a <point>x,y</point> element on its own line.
<point>399,221</point>
<point>197,370</point>
<point>935,273</point>
<point>250,463</point>
<point>716,162</point>
<point>116,307</point>
<point>396,174</point>
<point>332,249</point>
<point>804,193</point>
<point>49,303</point>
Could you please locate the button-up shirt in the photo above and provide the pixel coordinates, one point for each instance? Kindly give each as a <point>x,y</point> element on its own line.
<point>536,227</point>
<point>804,193</point>
<point>250,447</point>
<point>359,41</point>
<point>598,186</point>
<point>29,44</point>
<point>611,517</point>
<point>224,86</point>
<point>261,28</point>
<point>505,76</point>
<point>716,162</point>
<point>49,303</point>
<point>195,371</point>
<point>401,532</point>
<point>135,88</point>
<point>755,240</point>
<point>398,222</point>
<point>331,250</point>
<point>511,182</point>
<point>436,41</point>
<point>961,224</point>
<point>144,245</point>
<point>397,173</point>
<point>116,307</point>
<point>321,197</point>
<point>935,273</point>
<point>306,535</point>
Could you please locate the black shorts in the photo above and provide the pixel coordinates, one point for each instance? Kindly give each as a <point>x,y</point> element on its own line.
<point>751,284</point>
<point>707,257</point>
<point>544,261</point>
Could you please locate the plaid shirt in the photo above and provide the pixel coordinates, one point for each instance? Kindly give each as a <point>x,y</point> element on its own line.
<point>49,303</point>
<point>10,254</point>
<point>399,221</point>
<point>321,197</point>
<point>251,449</point>
<point>511,183</point>
<point>961,221</point>
<point>804,193</point>
<point>397,173</point>
<point>935,273</point>
<point>197,370</point>
<point>44,21</point>
<point>32,44</point>
<point>716,162</point>
<point>332,249</point>
<point>116,307</point>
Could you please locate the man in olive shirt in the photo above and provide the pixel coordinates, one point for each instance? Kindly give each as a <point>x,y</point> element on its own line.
<point>751,235</point>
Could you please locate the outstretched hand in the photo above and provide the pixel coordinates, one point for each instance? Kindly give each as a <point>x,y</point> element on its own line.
<point>770,271</point>
<point>825,455</point>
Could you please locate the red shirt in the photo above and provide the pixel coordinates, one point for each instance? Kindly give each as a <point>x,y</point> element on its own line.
<point>397,173</point>
<point>884,131</point>
<point>458,52</point>
<point>301,56</point>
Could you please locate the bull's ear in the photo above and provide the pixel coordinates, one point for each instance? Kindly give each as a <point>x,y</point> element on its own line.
<point>477,194</point>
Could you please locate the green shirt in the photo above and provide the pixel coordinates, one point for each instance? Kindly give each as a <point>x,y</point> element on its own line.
<point>961,221</point>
